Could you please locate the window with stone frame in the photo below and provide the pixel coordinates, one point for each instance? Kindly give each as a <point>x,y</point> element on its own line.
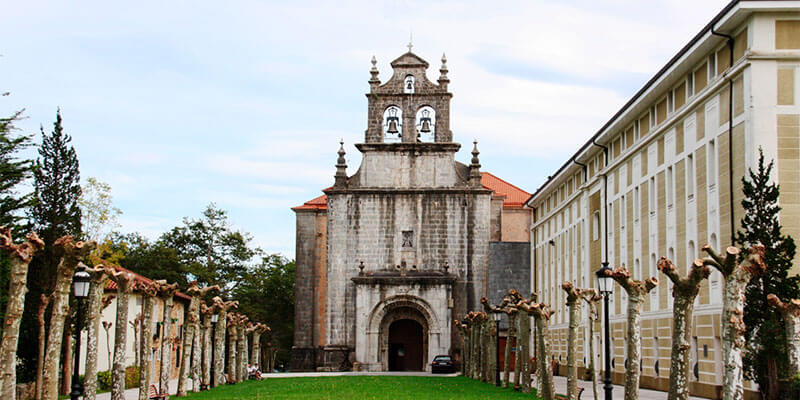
<point>408,239</point>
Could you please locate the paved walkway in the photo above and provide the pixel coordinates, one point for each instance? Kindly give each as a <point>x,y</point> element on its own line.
<point>560,384</point>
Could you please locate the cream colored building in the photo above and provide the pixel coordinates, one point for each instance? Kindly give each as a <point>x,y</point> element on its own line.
<point>657,180</point>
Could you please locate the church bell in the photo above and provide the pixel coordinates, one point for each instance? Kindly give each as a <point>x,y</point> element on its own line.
<point>392,127</point>
<point>426,127</point>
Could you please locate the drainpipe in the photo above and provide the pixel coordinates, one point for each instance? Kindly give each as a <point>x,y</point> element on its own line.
<point>605,200</point>
<point>730,42</point>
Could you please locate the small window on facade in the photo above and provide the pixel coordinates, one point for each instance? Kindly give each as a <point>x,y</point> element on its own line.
<point>712,66</point>
<point>408,238</point>
<point>637,205</point>
<point>670,102</point>
<point>670,190</point>
<point>691,254</point>
<point>689,85</point>
<point>651,194</point>
<point>712,164</point>
<point>623,214</point>
<point>636,130</point>
<point>596,225</point>
<point>653,116</point>
<point>408,85</point>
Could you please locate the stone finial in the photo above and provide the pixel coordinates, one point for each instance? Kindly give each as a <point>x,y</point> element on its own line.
<point>443,79</point>
<point>475,167</point>
<point>374,81</point>
<point>341,167</point>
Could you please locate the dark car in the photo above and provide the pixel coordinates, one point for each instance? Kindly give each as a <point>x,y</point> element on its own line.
<point>443,363</point>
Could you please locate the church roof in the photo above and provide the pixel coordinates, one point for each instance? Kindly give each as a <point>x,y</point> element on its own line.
<point>513,197</point>
<point>409,59</point>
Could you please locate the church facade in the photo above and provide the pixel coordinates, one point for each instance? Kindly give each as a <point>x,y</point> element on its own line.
<point>390,255</point>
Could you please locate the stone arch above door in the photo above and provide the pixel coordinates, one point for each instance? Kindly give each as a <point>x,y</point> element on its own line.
<point>400,308</point>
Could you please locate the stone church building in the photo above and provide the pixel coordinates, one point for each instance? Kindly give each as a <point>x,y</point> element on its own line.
<point>390,255</point>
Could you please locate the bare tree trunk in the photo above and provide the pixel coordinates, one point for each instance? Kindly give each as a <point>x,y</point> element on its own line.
<point>736,278</point>
<point>166,293</point>
<point>541,314</point>
<point>125,282</point>
<point>473,341</point>
<point>233,336</point>
<point>574,305</point>
<point>525,351</point>
<point>19,256</point>
<point>518,360</point>
<point>591,297</point>
<point>207,345</point>
<point>256,351</point>
<point>684,292</point>
<point>72,252</point>
<point>44,301</point>
<point>219,339</point>
<point>791,316</point>
<point>136,324</point>
<point>511,340</point>
<point>149,291</point>
<point>107,328</point>
<point>241,350</point>
<point>93,315</point>
<point>66,366</point>
<point>196,358</point>
<point>637,293</point>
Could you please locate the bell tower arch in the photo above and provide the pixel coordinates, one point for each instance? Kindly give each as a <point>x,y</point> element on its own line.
<point>409,108</point>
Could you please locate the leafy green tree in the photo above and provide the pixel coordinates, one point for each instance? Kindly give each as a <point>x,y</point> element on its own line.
<point>266,294</point>
<point>100,217</point>
<point>13,171</point>
<point>55,213</point>
<point>212,251</point>
<point>766,341</point>
<point>154,260</point>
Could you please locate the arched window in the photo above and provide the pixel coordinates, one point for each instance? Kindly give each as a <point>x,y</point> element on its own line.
<point>392,124</point>
<point>426,124</point>
<point>408,84</point>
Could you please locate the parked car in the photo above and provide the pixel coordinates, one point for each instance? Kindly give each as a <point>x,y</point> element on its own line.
<point>443,363</point>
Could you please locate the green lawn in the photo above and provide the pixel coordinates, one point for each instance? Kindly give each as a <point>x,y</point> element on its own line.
<point>361,387</point>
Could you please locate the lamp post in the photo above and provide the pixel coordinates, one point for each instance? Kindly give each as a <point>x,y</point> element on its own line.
<point>496,319</point>
<point>214,319</point>
<point>605,284</point>
<point>81,281</point>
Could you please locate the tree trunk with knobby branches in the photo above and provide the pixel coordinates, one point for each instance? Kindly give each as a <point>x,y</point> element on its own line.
<point>219,338</point>
<point>684,291</point>
<point>191,327</point>
<point>206,313</point>
<point>574,296</point>
<point>463,334</point>
<point>736,275</point>
<point>45,300</point>
<point>790,311</point>
<point>136,324</point>
<point>637,293</point>
<point>149,290</point>
<point>197,354</point>
<point>541,314</point>
<point>233,338</point>
<point>511,340</point>
<point>260,330</point>
<point>591,297</point>
<point>20,255</point>
<point>125,283</point>
<point>97,286</point>
<point>166,292</point>
<point>475,330</point>
<point>71,252</point>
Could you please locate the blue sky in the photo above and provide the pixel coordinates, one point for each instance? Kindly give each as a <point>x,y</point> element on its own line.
<point>178,104</point>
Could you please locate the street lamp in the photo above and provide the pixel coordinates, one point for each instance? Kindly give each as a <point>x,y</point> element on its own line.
<point>605,284</point>
<point>496,318</point>
<point>81,281</point>
<point>214,319</point>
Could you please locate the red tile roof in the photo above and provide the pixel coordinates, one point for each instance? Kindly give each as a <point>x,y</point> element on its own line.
<point>112,286</point>
<point>514,197</point>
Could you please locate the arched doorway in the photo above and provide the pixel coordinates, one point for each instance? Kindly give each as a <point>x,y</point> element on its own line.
<point>405,346</point>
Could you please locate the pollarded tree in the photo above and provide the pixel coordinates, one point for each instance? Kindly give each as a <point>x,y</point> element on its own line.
<point>43,302</point>
<point>241,349</point>
<point>765,355</point>
<point>737,275</point>
<point>149,291</point>
<point>125,283</point>
<point>207,346</point>
<point>99,277</point>
<point>20,255</point>
<point>791,315</point>
<point>260,330</point>
<point>511,340</point>
<point>192,325</point>
<point>71,253</point>
<point>233,337</point>
<point>574,296</point>
<point>684,291</point>
<point>219,338</point>
<point>637,293</point>
<point>591,298</point>
<point>491,340</point>
<point>166,292</point>
<point>541,314</point>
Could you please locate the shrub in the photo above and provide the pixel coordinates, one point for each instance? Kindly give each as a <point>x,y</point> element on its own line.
<point>104,380</point>
<point>131,377</point>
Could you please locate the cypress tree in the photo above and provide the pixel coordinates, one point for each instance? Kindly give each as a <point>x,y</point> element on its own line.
<point>766,352</point>
<point>55,213</point>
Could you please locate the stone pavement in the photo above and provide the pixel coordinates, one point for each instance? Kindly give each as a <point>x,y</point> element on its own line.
<point>560,384</point>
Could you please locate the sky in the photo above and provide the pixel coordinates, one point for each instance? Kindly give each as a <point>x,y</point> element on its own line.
<point>177,104</point>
